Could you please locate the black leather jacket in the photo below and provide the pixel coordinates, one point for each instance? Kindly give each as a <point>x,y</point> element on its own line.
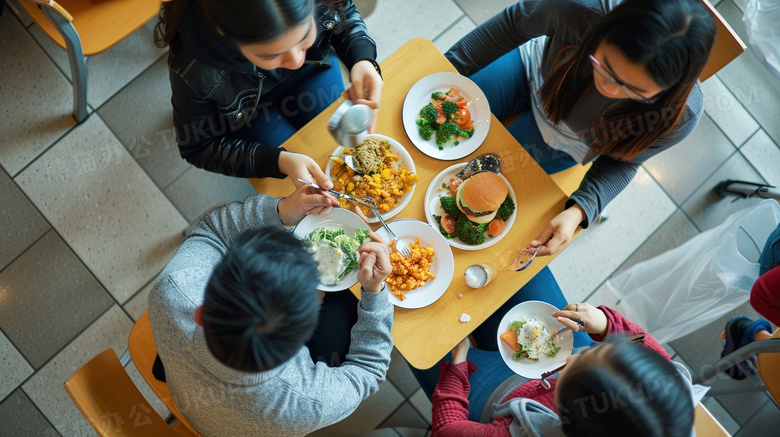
<point>216,90</point>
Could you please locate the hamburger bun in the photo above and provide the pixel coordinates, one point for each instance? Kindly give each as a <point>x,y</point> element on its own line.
<point>480,196</point>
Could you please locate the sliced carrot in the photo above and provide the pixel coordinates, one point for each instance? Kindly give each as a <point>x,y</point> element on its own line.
<point>496,227</point>
<point>454,183</point>
<point>510,337</point>
<point>448,223</point>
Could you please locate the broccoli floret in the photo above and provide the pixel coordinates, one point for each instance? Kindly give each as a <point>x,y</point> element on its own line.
<point>469,232</point>
<point>506,209</point>
<point>445,134</point>
<point>441,228</point>
<point>429,113</point>
<point>449,108</point>
<point>466,133</point>
<point>435,96</point>
<point>450,205</point>
<point>426,130</point>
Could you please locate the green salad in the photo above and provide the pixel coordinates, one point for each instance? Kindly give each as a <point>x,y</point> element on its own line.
<point>335,252</point>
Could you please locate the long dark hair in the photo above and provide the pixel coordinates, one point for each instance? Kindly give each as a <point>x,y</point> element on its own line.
<point>626,390</point>
<point>673,39</point>
<point>241,21</point>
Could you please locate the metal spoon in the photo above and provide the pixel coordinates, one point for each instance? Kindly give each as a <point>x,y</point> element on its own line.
<point>486,162</point>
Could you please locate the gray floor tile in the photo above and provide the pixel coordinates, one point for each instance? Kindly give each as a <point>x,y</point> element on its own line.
<point>452,35</point>
<point>141,116</point>
<point>109,71</point>
<point>406,417</point>
<point>45,387</point>
<point>634,215</point>
<point>602,296</point>
<point>105,207</point>
<point>682,168</point>
<point>726,111</point>
<point>372,412</point>
<point>20,223</point>
<point>721,415</point>
<point>764,155</point>
<point>198,190</point>
<point>703,347</point>
<point>14,368</point>
<point>139,303</point>
<point>765,423</point>
<point>19,11</point>
<point>365,7</point>
<point>741,4</point>
<point>676,231</point>
<point>481,11</point>
<point>391,29</point>
<point>32,313</point>
<point>748,79</point>
<point>400,374</point>
<point>706,208</point>
<point>380,432</point>
<point>147,391</point>
<point>423,405</point>
<point>412,432</point>
<point>35,99</point>
<point>20,418</point>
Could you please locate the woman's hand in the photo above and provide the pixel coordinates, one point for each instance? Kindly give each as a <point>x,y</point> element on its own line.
<point>558,232</point>
<point>461,351</point>
<point>297,165</point>
<point>374,265</point>
<point>595,321</point>
<point>366,88</point>
<point>304,201</point>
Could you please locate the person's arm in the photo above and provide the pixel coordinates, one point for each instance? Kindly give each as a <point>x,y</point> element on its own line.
<point>351,40</point>
<point>765,295</point>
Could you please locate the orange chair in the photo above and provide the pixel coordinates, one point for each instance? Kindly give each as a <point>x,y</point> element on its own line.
<point>86,28</point>
<point>143,352</point>
<point>106,396</point>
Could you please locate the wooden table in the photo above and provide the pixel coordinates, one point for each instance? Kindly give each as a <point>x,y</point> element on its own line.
<point>424,336</point>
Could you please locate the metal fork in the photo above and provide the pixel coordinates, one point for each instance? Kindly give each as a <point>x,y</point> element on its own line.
<point>523,264</point>
<point>400,245</point>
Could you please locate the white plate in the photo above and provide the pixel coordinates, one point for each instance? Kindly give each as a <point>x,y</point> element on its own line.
<point>338,218</point>
<point>540,311</point>
<point>420,95</point>
<point>443,265</point>
<point>433,207</point>
<point>404,160</point>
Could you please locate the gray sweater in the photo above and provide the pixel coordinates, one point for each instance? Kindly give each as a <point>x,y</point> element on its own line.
<point>564,23</point>
<point>293,399</point>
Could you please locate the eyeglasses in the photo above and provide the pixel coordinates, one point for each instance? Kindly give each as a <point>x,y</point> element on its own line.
<point>607,75</point>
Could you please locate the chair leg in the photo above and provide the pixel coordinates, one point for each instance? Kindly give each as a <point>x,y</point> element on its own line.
<point>78,67</point>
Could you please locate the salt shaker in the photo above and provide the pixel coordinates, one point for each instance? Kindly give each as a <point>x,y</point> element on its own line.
<point>479,275</point>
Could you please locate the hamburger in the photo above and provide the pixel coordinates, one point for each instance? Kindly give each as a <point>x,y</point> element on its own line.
<point>480,196</point>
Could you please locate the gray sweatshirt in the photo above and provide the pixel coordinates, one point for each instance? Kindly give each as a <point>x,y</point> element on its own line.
<point>293,399</point>
<point>563,23</point>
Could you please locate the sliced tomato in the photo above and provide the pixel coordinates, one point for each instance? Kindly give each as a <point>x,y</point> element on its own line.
<point>455,183</point>
<point>453,95</point>
<point>442,116</point>
<point>462,103</point>
<point>496,227</point>
<point>462,118</point>
<point>467,126</point>
<point>448,223</point>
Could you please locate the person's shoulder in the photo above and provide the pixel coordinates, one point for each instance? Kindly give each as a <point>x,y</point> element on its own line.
<point>200,77</point>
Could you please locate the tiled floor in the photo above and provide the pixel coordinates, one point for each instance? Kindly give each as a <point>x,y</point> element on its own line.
<point>91,213</point>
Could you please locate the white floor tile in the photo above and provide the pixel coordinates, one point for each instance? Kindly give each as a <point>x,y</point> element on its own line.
<point>105,207</point>
<point>45,388</point>
<point>139,303</point>
<point>764,155</point>
<point>394,22</point>
<point>727,112</point>
<point>634,215</point>
<point>13,367</point>
<point>199,190</point>
<point>461,27</point>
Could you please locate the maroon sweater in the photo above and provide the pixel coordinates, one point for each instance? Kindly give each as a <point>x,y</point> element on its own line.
<point>450,398</point>
<point>765,296</point>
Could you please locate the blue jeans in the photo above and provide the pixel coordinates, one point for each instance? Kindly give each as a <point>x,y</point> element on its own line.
<point>770,256</point>
<point>492,370</point>
<point>292,103</point>
<point>505,85</point>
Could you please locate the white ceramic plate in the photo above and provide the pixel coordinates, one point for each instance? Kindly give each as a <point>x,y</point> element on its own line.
<point>540,311</point>
<point>338,218</point>
<point>420,95</point>
<point>404,160</point>
<point>433,207</point>
<point>443,265</point>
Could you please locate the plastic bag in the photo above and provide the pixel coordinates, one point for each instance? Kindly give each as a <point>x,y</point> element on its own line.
<point>761,18</point>
<point>690,286</point>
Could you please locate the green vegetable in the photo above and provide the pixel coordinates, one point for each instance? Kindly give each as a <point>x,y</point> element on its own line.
<point>517,325</point>
<point>361,234</point>
<point>506,209</point>
<point>450,205</point>
<point>449,108</point>
<point>338,239</point>
<point>466,133</point>
<point>446,134</point>
<point>429,113</point>
<point>435,96</point>
<point>441,228</point>
<point>426,130</point>
<point>468,232</point>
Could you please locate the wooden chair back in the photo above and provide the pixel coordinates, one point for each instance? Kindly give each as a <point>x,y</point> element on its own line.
<point>727,46</point>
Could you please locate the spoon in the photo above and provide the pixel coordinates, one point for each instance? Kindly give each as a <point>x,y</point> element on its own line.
<point>486,162</point>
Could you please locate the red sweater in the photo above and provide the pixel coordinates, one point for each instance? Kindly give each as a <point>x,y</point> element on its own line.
<point>450,398</point>
<point>765,296</point>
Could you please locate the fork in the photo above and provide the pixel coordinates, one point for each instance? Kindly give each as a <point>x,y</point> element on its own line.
<point>400,245</point>
<point>523,264</point>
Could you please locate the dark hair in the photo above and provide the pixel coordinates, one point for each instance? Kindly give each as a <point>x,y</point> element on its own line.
<point>261,304</point>
<point>241,21</point>
<point>628,390</point>
<point>673,39</point>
